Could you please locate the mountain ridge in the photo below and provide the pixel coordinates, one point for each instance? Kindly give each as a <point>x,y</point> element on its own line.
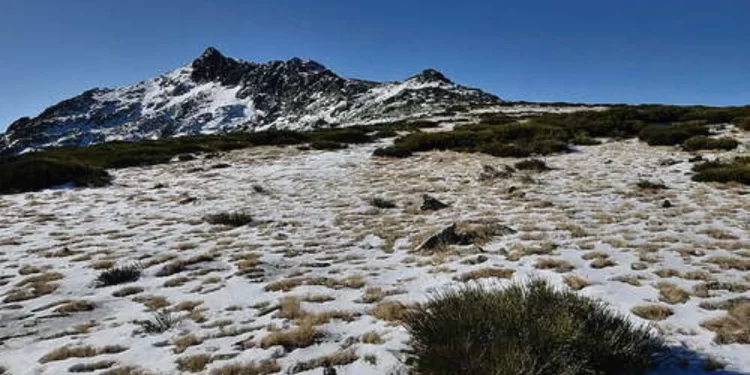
<point>219,94</point>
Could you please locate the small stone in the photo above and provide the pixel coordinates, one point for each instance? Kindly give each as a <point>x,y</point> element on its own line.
<point>666,204</point>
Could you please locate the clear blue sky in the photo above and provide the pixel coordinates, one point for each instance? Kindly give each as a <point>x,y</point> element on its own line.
<point>667,51</point>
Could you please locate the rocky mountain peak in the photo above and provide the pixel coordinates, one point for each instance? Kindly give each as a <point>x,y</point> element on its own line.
<point>431,75</point>
<point>217,94</point>
<point>212,65</point>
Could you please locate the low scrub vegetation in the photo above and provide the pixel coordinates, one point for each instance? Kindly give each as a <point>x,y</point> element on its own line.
<point>736,170</point>
<point>86,166</point>
<point>161,321</point>
<point>232,219</point>
<point>250,368</point>
<point>526,329</point>
<point>119,275</point>
<point>705,143</point>
<point>734,327</point>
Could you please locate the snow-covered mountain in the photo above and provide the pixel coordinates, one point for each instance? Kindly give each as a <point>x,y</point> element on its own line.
<point>215,94</point>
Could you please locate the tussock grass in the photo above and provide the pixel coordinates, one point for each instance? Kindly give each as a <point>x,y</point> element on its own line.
<point>119,275</point>
<point>127,291</point>
<point>734,327</point>
<point>180,344</point>
<point>576,282</point>
<point>486,273</point>
<point>526,329</point>
<point>559,265</point>
<point>194,363</point>
<point>180,265</point>
<point>250,368</point>
<point>75,306</point>
<point>653,312</point>
<point>733,263</point>
<point>161,321</point>
<point>341,358</point>
<point>91,366</point>
<point>298,337</point>
<point>371,337</point>
<point>66,352</point>
<point>390,311</point>
<point>671,294</point>
<point>231,219</point>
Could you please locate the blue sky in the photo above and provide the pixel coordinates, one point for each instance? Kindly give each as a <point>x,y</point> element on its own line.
<point>635,51</point>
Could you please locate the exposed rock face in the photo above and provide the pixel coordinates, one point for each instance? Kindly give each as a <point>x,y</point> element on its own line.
<point>215,94</point>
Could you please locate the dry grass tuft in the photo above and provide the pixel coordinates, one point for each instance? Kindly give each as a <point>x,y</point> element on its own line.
<point>126,370</point>
<point>734,327</point>
<point>653,312</point>
<point>194,363</point>
<point>284,285</point>
<point>66,352</point>
<point>486,273</point>
<point>185,341</point>
<point>290,308</point>
<point>599,263</point>
<point>318,298</point>
<point>667,272</point>
<point>727,263</point>
<point>390,311</point>
<point>337,359</point>
<point>76,306</point>
<point>699,275</point>
<point>91,366</point>
<point>299,337</point>
<point>594,255</point>
<point>251,368</point>
<point>559,265</point>
<point>671,294</point>
<point>634,280</point>
<point>371,337</point>
<point>576,282</point>
<point>152,303</point>
<point>127,291</point>
<point>180,265</point>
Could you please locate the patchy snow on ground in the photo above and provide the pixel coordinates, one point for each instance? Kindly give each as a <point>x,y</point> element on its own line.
<point>320,255</point>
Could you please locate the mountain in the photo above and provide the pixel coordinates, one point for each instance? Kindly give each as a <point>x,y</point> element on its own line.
<point>215,94</point>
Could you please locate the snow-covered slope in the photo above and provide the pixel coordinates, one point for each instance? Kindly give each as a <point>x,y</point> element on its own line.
<point>216,94</point>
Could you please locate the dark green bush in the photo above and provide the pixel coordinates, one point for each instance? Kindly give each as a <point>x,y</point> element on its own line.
<point>392,152</point>
<point>671,135</point>
<point>342,135</point>
<point>20,174</point>
<point>119,275</point>
<point>232,219</point>
<point>526,329</point>
<point>532,164</point>
<point>737,170</point>
<point>705,143</point>
<point>327,145</point>
<point>744,123</point>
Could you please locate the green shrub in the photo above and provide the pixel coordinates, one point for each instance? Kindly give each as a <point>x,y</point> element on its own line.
<point>737,170</point>
<point>526,329</point>
<point>671,135</point>
<point>327,145</point>
<point>744,123</point>
<point>342,135</point>
<point>532,164</point>
<point>392,152</point>
<point>21,174</point>
<point>232,219</point>
<point>705,143</point>
<point>119,275</point>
